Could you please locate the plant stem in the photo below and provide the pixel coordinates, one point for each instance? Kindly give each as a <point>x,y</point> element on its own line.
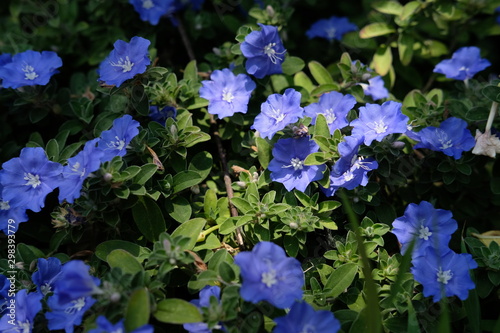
<point>185,39</point>
<point>491,116</point>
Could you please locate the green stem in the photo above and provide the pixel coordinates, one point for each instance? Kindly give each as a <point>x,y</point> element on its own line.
<point>207,232</point>
<point>491,117</point>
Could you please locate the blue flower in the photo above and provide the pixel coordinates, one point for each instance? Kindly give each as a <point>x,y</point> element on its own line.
<point>277,112</point>
<point>105,326</point>
<point>29,68</point>
<point>46,275</point>
<point>4,294</point>
<point>204,301</point>
<point>426,226</point>
<point>444,274</point>
<point>26,307</point>
<point>151,10</point>
<point>303,318</point>
<point>65,315</point>
<point>227,93</point>
<point>269,275</point>
<point>451,138</point>
<point>375,121</point>
<point>375,88</point>
<point>115,140</point>
<point>161,115</point>
<point>75,282</point>
<point>28,179</point>
<point>463,65</point>
<point>78,169</point>
<point>264,52</point>
<point>125,61</point>
<point>287,166</point>
<point>332,28</point>
<point>10,217</point>
<point>5,58</point>
<point>334,106</point>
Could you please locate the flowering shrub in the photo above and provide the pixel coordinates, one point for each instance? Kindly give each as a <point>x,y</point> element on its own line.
<point>249,166</point>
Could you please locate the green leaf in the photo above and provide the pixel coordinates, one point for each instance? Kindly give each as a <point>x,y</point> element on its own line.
<point>263,152</point>
<point>186,179</point>
<point>102,250</point>
<point>52,150</point>
<point>376,29</point>
<point>405,48</point>
<point>388,7</point>
<point>302,80</point>
<point>27,253</point>
<point>191,72</point>
<point>292,65</point>
<point>328,206</point>
<point>179,209</point>
<point>147,171</point>
<point>318,158</point>
<point>409,9</point>
<point>124,260</point>
<point>320,73</point>
<point>177,311</point>
<point>138,309</point>
<point>477,113</point>
<point>190,229</point>
<point>341,279</point>
<point>148,218</point>
<point>321,126</point>
<point>230,225</point>
<point>382,60</point>
<point>323,88</point>
<point>201,164</point>
<point>291,245</point>
<point>492,93</point>
<point>242,205</point>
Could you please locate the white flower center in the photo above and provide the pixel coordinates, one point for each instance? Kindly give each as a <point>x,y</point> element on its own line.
<point>445,276</point>
<point>119,144</point>
<point>4,205</point>
<point>29,72</point>
<point>271,53</point>
<point>297,163</point>
<point>147,4</point>
<point>330,115</point>
<point>126,65</point>
<point>424,233</point>
<point>445,145</point>
<point>45,289</point>
<point>330,32</point>
<point>33,180</point>
<point>77,306</point>
<point>308,328</point>
<point>380,127</point>
<point>269,278</point>
<point>76,169</point>
<point>348,175</point>
<point>227,96</point>
<point>24,326</point>
<point>276,114</point>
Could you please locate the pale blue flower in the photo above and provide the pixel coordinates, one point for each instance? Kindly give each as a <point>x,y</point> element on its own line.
<point>463,65</point>
<point>334,106</point>
<point>303,318</point>
<point>375,88</point>
<point>10,217</point>
<point>331,28</point>
<point>152,10</point>
<point>114,141</point>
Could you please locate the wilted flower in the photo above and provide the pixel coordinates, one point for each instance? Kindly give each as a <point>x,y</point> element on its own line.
<point>204,301</point>
<point>105,326</point>
<point>463,65</point>
<point>151,10</point>
<point>227,93</point>
<point>375,88</point>
<point>287,166</point>
<point>303,318</point>
<point>486,144</point>
<point>264,52</point>
<point>332,28</point>
<point>277,112</point>
<point>29,68</point>
<point>114,141</point>
<point>125,61</point>
<point>269,275</point>
<point>334,106</point>
<point>27,305</point>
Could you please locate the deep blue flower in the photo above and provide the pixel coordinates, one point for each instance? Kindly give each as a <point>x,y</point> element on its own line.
<point>105,326</point>
<point>5,58</point>
<point>29,68</point>
<point>277,112</point>
<point>269,275</point>
<point>332,28</point>
<point>79,167</point>
<point>334,106</point>
<point>227,93</point>
<point>4,294</point>
<point>161,115</point>
<point>10,217</point>
<point>204,301</point>
<point>463,65</point>
<point>75,282</point>
<point>26,308</point>
<point>125,61</point>
<point>426,226</point>
<point>65,315</point>
<point>444,274</point>
<point>46,275</point>
<point>264,51</point>
<point>375,88</point>
<point>451,138</point>
<point>115,140</point>
<point>28,179</point>
<point>151,10</point>
<point>375,121</point>
<point>303,318</point>
<point>287,166</point>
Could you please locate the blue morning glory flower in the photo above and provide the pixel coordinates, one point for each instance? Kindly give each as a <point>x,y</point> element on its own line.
<point>269,275</point>
<point>29,68</point>
<point>451,138</point>
<point>151,10</point>
<point>65,315</point>
<point>47,273</point>
<point>10,217</point>
<point>115,140</point>
<point>332,28</point>
<point>204,301</point>
<point>334,106</point>
<point>375,88</point>
<point>287,166</point>
<point>444,274</point>
<point>463,65</point>
<point>78,169</point>
<point>426,226</point>
<point>28,179</point>
<point>161,115</point>
<point>27,305</point>
<point>375,121</point>
<point>264,51</point>
<point>277,112</point>
<point>227,93</point>
<point>105,326</point>
<point>125,61</point>
<point>75,282</point>
<point>303,318</point>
